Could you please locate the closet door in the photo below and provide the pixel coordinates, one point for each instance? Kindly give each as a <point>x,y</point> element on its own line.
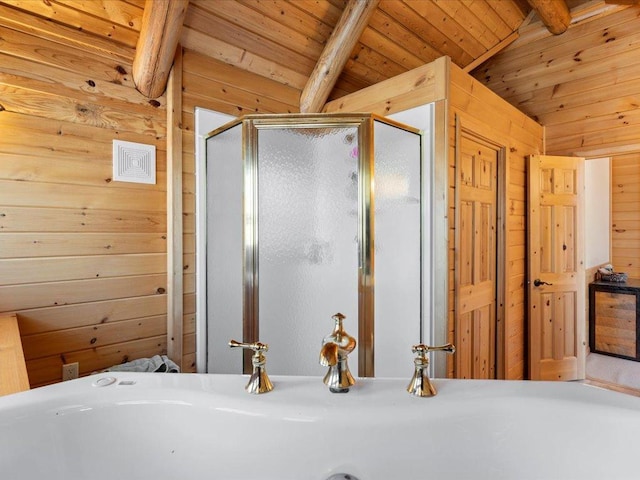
<point>556,268</point>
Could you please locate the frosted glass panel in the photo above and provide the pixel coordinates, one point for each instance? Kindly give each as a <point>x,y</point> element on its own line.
<point>224,249</point>
<point>422,118</point>
<point>397,249</point>
<point>308,245</point>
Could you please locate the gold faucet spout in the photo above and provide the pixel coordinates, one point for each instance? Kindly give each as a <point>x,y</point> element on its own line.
<point>329,355</point>
<point>335,350</point>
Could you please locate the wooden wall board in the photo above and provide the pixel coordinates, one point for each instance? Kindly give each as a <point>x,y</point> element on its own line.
<point>246,61</point>
<point>420,26</point>
<point>34,245</point>
<point>82,17</point>
<point>93,336</point>
<point>46,370</point>
<point>13,298</point>
<point>217,23</point>
<point>423,85</point>
<point>40,103</point>
<point>13,374</point>
<point>74,171</point>
<point>524,136</point>
<point>201,65</point>
<point>65,317</point>
<point>82,221</point>
<point>24,20</point>
<point>74,80</point>
<point>625,216</point>
<point>68,140</point>
<point>65,57</point>
<point>78,248</point>
<point>37,194</point>
<point>581,85</point>
<point>47,269</point>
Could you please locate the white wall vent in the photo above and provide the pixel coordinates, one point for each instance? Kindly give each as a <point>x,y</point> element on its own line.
<point>134,162</point>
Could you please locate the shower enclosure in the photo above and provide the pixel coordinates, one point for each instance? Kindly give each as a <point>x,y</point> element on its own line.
<point>307,216</point>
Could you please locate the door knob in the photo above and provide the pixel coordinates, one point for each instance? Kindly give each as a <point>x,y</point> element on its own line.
<point>537,282</point>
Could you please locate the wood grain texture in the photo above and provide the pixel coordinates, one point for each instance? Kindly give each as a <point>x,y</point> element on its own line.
<point>175,210</point>
<point>156,46</point>
<point>522,137</point>
<point>80,252</point>
<point>581,85</point>
<point>13,374</point>
<point>465,96</point>
<point>625,215</point>
<point>553,13</point>
<point>343,38</point>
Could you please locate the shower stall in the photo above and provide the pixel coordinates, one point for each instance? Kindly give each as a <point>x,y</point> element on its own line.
<point>307,216</point>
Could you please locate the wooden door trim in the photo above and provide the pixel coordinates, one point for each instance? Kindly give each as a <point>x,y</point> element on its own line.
<point>484,134</point>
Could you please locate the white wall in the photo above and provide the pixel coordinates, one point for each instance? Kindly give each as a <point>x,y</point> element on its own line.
<point>597,184</point>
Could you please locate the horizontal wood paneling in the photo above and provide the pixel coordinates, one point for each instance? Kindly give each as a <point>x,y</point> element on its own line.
<point>66,92</point>
<point>282,40</point>
<point>83,258</point>
<point>46,370</point>
<point>625,214</point>
<point>65,317</point>
<point>523,137</point>
<point>31,245</point>
<point>582,86</point>
<point>51,269</point>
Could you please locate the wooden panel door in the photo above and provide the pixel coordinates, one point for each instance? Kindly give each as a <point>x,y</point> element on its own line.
<point>476,213</point>
<point>556,268</point>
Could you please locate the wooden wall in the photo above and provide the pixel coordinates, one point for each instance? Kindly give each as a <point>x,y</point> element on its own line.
<point>495,119</point>
<point>583,86</point>
<point>466,98</point>
<point>83,259</point>
<point>625,214</point>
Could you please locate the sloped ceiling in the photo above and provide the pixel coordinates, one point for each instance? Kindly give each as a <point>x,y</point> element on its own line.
<point>283,40</point>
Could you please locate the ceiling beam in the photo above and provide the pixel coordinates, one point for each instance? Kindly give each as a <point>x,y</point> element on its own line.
<point>159,35</point>
<point>336,52</point>
<point>553,13</point>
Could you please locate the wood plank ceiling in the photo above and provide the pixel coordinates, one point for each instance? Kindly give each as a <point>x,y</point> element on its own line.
<point>283,40</point>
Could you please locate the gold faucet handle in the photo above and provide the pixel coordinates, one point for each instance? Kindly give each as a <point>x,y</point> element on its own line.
<point>259,381</point>
<point>421,349</point>
<point>257,347</point>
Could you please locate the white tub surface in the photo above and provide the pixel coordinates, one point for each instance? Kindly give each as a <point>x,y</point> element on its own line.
<point>188,426</point>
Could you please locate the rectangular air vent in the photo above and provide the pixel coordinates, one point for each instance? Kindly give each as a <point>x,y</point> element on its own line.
<point>134,162</point>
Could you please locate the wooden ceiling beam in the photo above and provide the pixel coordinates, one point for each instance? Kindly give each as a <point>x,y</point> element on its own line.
<point>553,13</point>
<point>159,35</point>
<point>336,52</point>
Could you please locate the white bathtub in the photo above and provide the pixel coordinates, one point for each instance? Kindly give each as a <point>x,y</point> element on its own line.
<point>164,426</point>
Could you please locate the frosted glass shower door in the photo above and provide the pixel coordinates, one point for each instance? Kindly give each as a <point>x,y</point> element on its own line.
<point>308,242</point>
<point>398,244</point>
<point>224,249</point>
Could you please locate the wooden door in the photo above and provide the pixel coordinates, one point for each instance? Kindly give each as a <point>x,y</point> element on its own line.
<point>475,257</point>
<point>556,268</point>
